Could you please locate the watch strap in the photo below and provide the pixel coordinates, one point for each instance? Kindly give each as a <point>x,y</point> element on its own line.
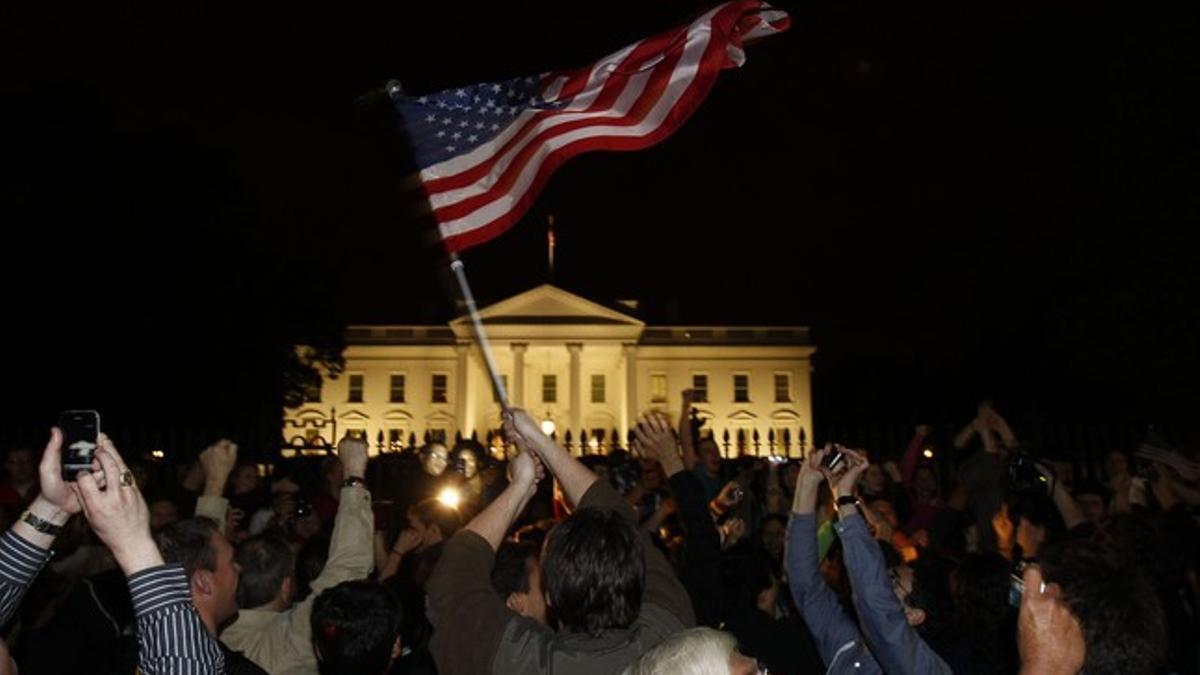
<point>351,481</point>
<point>40,524</point>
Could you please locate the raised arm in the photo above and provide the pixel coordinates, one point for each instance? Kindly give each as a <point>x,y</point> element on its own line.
<point>574,477</point>
<point>171,637</point>
<point>494,521</point>
<point>836,636</point>
<point>217,461</point>
<point>686,442</point>
<point>894,642</point>
<point>25,548</point>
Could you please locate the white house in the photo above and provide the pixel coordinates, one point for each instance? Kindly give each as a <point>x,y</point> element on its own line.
<point>588,369</point>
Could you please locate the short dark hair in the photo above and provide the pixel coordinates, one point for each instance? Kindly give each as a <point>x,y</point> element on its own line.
<point>266,560</point>
<point>510,572</point>
<point>1124,628</point>
<point>595,571</point>
<point>433,512</point>
<point>189,543</point>
<point>354,627</point>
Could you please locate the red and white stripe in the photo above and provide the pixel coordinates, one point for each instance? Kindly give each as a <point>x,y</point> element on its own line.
<point>629,100</point>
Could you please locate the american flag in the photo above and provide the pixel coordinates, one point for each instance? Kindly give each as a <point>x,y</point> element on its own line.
<point>485,151</point>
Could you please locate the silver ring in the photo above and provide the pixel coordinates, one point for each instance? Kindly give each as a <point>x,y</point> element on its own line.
<point>126,478</point>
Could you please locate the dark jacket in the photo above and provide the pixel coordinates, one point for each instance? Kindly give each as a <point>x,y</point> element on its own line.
<point>476,634</point>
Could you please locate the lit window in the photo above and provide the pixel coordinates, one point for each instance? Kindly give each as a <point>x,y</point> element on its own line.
<point>439,388</point>
<point>549,388</point>
<point>356,389</point>
<point>700,388</point>
<point>598,389</point>
<point>658,388</point>
<point>741,388</point>
<point>783,388</point>
<point>396,389</point>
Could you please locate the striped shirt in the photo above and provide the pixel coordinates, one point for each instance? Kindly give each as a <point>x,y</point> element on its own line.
<point>20,562</point>
<point>171,638</point>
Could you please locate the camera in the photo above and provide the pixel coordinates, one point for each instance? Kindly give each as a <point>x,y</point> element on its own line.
<point>1024,475</point>
<point>833,459</point>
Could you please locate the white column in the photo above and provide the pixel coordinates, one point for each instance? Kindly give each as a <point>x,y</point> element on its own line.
<point>516,393</point>
<point>461,395</point>
<point>629,404</point>
<point>574,348</point>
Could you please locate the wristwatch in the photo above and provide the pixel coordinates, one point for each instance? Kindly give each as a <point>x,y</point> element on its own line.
<point>847,500</point>
<point>354,480</point>
<point>41,524</point>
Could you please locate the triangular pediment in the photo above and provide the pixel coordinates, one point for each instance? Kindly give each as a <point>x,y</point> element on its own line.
<point>550,305</point>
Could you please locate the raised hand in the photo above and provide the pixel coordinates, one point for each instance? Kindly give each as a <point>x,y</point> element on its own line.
<point>656,440</point>
<point>408,541</point>
<point>1049,637</point>
<point>523,430</point>
<point>527,471</point>
<point>353,454</point>
<point>118,513</point>
<point>56,493</point>
<point>844,481</point>
<point>218,461</point>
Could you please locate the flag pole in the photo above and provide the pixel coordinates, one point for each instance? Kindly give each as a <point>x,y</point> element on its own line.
<point>460,274</point>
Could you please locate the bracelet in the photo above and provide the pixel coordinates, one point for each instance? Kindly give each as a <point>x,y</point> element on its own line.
<point>847,500</point>
<point>354,480</point>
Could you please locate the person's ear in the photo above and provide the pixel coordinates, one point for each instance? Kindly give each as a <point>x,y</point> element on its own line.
<point>915,617</point>
<point>202,582</point>
<point>516,602</point>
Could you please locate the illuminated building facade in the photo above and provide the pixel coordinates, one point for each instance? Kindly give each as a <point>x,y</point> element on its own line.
<point>587,369</point>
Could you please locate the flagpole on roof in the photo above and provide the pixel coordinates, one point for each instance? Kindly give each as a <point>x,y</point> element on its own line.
<point>456,265</point>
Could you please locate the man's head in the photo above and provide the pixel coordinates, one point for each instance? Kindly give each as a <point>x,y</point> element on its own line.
<point>356,629</point>
<point>695,651</point>
<point>709,454</point>
<point>517,579</point>
<point>244,479</point>
<point>21,466</point>
<point>163,512</point>
<point>1124,629</point>
<point>594,572</point>
<point>434,521</point>
<point>268,569</point>
<point>208,559</point>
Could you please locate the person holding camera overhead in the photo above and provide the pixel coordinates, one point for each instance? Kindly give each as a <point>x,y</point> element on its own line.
<point>887,618</point>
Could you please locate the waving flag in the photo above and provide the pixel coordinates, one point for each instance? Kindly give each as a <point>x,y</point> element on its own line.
<point>485,151</point>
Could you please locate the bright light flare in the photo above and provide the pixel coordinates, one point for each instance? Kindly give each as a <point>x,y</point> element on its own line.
<point>450,497</point>
<point>548,426</point>
<point>928,453</point>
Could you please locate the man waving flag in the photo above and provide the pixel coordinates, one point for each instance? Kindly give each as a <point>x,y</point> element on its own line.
<point>485,151</point>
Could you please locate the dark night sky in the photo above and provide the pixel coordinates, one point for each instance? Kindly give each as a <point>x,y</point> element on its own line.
<point>959,199</point>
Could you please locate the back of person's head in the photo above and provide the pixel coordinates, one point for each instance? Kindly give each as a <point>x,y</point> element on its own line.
<point>267,562</point>
<point>695,651</point>
<point>356,629</point>
<point>931,594</point>
<point>1123,625</point>
<point>594,571</point>
<point>189,543</point>
<point>432,512</point>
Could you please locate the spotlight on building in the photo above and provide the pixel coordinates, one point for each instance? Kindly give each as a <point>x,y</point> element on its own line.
<point>450,496</point>
<point>548,426</point>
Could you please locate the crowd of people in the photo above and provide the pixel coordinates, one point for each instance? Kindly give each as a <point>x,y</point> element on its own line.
<point>972,555</point>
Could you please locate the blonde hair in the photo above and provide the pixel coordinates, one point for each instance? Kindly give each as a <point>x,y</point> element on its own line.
<point>696,651</point>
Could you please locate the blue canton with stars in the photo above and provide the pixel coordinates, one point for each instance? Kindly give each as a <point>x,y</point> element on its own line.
<point>453,122</point>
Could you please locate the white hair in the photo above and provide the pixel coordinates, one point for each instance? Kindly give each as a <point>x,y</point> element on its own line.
<point>696,651</point>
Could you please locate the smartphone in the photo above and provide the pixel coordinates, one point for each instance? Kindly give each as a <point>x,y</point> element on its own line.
<point>1016,588</point>
<point>81,433</point>
<point>833,459</point>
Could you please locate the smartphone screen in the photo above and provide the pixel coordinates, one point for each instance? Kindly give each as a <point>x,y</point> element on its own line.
<point>81,431</point>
